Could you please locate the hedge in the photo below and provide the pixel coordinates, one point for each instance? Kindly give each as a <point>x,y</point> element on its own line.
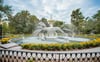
<point>63,46</point>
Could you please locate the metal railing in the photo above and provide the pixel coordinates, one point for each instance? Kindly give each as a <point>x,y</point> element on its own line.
<point>30,56</point>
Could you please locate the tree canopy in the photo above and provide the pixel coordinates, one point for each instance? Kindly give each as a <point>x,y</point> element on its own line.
<point>58,23</point>
<point>77,19</point>
<point>23,22</point>
<point>4,9</point>
<point>96,18</point>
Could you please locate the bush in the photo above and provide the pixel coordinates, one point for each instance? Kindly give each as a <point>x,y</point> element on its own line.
<point>4,40</point>
<point>88,35</point>
<point>65,46</point>
<point>76,46</point>
<point>30,60</point>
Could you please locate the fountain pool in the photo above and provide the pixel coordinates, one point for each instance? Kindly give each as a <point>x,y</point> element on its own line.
<point>48,40</point>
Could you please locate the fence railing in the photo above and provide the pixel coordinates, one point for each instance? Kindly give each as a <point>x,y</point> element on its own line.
<point>29,56</point>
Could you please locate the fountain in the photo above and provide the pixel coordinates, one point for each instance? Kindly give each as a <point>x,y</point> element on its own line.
<point>47,32</point>
<point>44,34</point>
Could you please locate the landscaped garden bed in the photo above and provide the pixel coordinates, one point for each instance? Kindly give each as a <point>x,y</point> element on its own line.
<point>4,40</point>
<point>63,46</point>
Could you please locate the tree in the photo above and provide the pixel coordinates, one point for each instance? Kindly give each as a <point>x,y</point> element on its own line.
<point>20,21</point>
<point>77,19</point>
<point>96,18</point>
<point>89,26</point>
<point>33,21</point>
<point>45,21</point>
<point>58,23</point>
<point>0,29</point>
<point>5,27</point>
<point>23,22</point>
<point>4,9</point>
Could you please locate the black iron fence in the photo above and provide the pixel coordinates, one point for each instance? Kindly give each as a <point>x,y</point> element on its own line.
<point>29,56</point>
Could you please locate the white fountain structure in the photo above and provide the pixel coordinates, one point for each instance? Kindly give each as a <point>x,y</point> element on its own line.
<point>44,34</point>
<point>47,32</point>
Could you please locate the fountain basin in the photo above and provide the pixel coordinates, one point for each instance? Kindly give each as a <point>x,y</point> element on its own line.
<point>47,40</point>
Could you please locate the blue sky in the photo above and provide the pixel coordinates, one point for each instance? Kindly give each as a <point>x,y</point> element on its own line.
<point>59,9</point>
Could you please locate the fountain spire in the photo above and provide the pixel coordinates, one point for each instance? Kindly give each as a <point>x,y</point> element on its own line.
<point>50,22</point>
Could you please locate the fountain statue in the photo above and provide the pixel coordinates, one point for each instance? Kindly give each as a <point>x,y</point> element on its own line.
<point>44,32</point>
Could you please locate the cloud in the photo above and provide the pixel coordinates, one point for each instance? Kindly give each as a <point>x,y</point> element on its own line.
<point>91,11</point>
<point>59,9</point>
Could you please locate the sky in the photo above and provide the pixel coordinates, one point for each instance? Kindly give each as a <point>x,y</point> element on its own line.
<point>57,9</point>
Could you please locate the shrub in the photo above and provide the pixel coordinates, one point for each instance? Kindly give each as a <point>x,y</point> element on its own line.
<point>76,46</point>
<point>4,40</point>
<point>96,42</point>
<point>26,46</point>
<point>30,60</point>
<point>65,46</point>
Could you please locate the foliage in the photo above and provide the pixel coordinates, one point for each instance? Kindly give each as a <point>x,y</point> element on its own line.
<point>58,23</point>
<point>4,40</point>
<point>4,9</point>
<point>77,19</point>
<point>5,28</point>
<point>65,46</point>
<point>91,36</point>
<point>45,21</point>
<point>23,22</point>
<point>86,25</point>
<point>30,60</point>
<point>89,26</point>
<point>96,18</point>
<point>0,29</point>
